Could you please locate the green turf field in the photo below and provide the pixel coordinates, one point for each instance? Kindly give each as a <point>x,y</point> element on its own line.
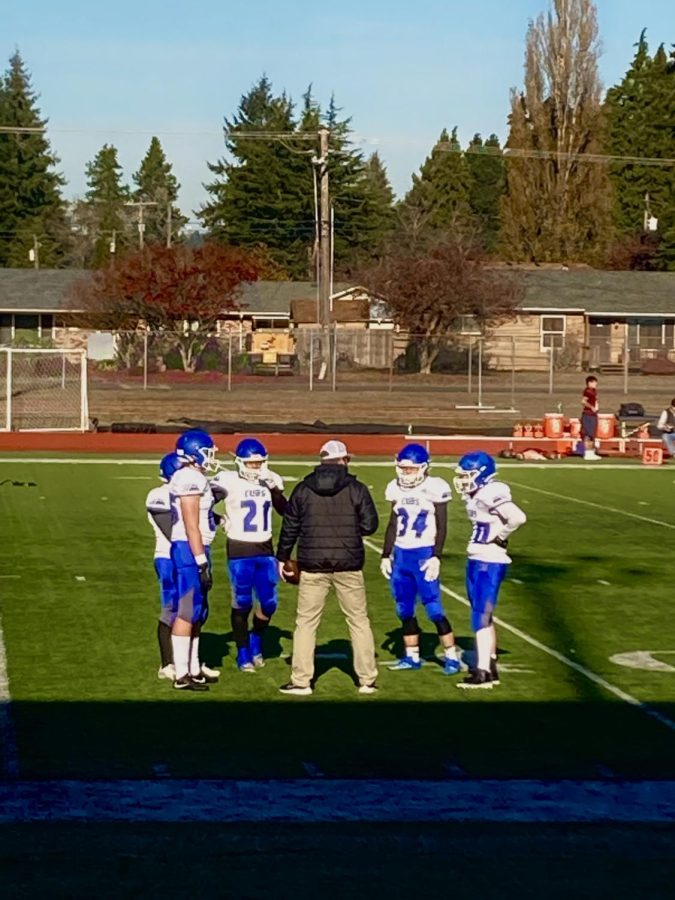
<point>592,578</point>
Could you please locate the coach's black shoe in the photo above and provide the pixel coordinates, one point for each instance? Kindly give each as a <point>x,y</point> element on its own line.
<point>188,683</point>
<point>478,678</point>
<point>494,671</point>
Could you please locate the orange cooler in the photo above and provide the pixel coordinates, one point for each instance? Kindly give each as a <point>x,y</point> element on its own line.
<point>575,427</point>
<point>606,422</point>
<point>553,425</point>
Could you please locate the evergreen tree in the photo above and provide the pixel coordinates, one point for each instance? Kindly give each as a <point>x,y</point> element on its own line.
<point>157,184</point>
<point>361,203</point>
<point>640,114</point>
<point>31,207</point>
<point>264,197</point>
<point>486,188</point>
<point>557,205</point>
<point>439,199</point>
<point>106,196</point>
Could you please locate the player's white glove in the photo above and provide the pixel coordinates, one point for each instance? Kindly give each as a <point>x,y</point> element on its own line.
<point>271,480</point>
<point>385,567</point>
<point>431,568</point>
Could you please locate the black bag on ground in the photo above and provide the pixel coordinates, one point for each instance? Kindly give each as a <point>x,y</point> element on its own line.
<point>630,410</point>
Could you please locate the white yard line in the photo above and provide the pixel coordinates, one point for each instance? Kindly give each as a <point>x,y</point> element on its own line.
<point>612,509</point>
<point>9,756</point>
<point>565,660</point>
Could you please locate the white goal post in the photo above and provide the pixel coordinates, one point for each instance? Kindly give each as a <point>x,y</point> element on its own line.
<point>43,390</point>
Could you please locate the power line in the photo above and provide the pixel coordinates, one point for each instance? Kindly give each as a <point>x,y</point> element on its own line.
<point>602,158</point>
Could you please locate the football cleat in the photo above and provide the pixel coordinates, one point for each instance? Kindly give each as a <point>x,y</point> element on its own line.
<point>258,661</point>
<point>451,666</point>
<point>168,672</point>
<point>407,662</point>
<point>291,688</point>
<point>477,678</point>
<point>244,661</point>
<point>188,683</point>
<point>203,678</point>
<point>210,673</point>
<point>368,689</point>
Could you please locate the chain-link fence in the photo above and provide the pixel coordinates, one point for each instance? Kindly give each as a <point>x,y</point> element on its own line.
<point>511,368</point>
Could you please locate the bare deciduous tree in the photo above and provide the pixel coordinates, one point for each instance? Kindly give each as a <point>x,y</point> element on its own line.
<point>557,203</point>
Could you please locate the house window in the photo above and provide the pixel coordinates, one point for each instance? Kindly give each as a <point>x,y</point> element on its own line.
<point>552,332</point>
<point>5,329</point>
<point>469,325</point>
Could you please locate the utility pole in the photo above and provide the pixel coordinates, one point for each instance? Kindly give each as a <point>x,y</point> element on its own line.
<point>34,253</point>
<point>141,204</point>
<point>324,251</point>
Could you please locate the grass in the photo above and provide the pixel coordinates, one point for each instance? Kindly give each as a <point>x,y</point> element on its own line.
<point>79,624</point>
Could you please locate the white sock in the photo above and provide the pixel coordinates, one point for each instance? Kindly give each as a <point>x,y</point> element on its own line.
<point>413,653</point>
<point>195,665</point>
<point>450,652</point>
<point>484,648</point>
<point>181,654</point>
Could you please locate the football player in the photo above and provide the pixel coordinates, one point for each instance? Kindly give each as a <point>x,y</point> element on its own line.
<point>250,494</point>
<point>192,532</point>
<point>158,506</point>
<point>411,557</point>
<point>494,517</point>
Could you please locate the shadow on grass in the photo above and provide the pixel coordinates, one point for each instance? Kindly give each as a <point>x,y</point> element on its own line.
<point>213,736</point>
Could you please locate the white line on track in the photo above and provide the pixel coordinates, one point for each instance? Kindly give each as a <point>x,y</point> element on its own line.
<point>612,509</point>
<point>582,670</point>
<point>9,755</point>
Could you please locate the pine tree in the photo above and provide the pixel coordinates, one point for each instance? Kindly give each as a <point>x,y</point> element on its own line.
<point>264,197</point>
<point>156,184</point>
<point>31,207</point>
<point>557,206</point>
<point>439,199</point>
<point>486,188</point>
<point>640,114</point>
<point>106,196</point>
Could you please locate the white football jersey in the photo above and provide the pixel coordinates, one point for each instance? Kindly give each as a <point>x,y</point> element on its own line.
<point>159,500</point>
<point>248,506</point>
<point>482,509</point>
<point>190,482</point>
<point>415,511</point>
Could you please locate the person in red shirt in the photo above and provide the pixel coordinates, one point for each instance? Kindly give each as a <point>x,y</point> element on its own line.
<point>589,417</point>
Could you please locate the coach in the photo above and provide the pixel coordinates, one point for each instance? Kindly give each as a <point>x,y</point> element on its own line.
<point>328,515</point>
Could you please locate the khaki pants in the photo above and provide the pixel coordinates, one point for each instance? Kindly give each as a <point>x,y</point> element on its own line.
<point>351,596</point>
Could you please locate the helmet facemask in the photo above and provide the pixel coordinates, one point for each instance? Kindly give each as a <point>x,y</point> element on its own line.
<point>252,473</point>
<point>406,479</point>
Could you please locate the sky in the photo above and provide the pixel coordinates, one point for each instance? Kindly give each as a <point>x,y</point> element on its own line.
<point>122,72</point>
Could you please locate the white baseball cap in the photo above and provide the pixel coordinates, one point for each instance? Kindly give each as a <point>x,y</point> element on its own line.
<point>333,450</point>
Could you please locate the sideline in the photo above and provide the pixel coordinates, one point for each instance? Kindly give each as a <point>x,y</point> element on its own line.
<point>355,463</point>
<point>565,660</point>
<point>314,800</point>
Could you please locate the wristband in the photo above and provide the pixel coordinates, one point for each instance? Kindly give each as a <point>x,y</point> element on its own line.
<point>201,559</point>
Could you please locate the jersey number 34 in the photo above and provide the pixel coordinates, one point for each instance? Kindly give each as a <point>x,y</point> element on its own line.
<point>418,525</point>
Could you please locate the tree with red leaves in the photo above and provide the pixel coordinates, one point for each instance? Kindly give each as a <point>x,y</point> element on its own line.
<point>430,287</point>
<point>179,291</point>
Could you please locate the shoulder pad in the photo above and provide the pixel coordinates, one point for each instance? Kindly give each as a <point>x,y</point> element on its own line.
<point>438,490</point>
<point>189,481</point>
<point>390,491</point>
<point>494,494</point>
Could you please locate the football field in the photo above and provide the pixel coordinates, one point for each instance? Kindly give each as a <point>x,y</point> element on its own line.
<point>587,647</point>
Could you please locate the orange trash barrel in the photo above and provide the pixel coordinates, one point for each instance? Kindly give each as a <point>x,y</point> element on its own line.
<point>553,425</point>
<point>575,427</point>
<point>606,423</point>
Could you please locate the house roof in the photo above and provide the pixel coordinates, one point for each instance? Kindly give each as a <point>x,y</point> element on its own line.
<point>600,293</point>
<point>276,297</point>
<point>37,290</point>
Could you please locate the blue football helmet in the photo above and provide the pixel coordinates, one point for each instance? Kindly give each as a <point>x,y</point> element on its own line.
<point>474,470</point>
<point>198,447</point>
<point>412,456</point>
<point>250,450</point>
<point>169,465</point>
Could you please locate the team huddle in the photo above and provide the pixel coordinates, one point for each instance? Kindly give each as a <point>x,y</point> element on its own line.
<point>182,512</point>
